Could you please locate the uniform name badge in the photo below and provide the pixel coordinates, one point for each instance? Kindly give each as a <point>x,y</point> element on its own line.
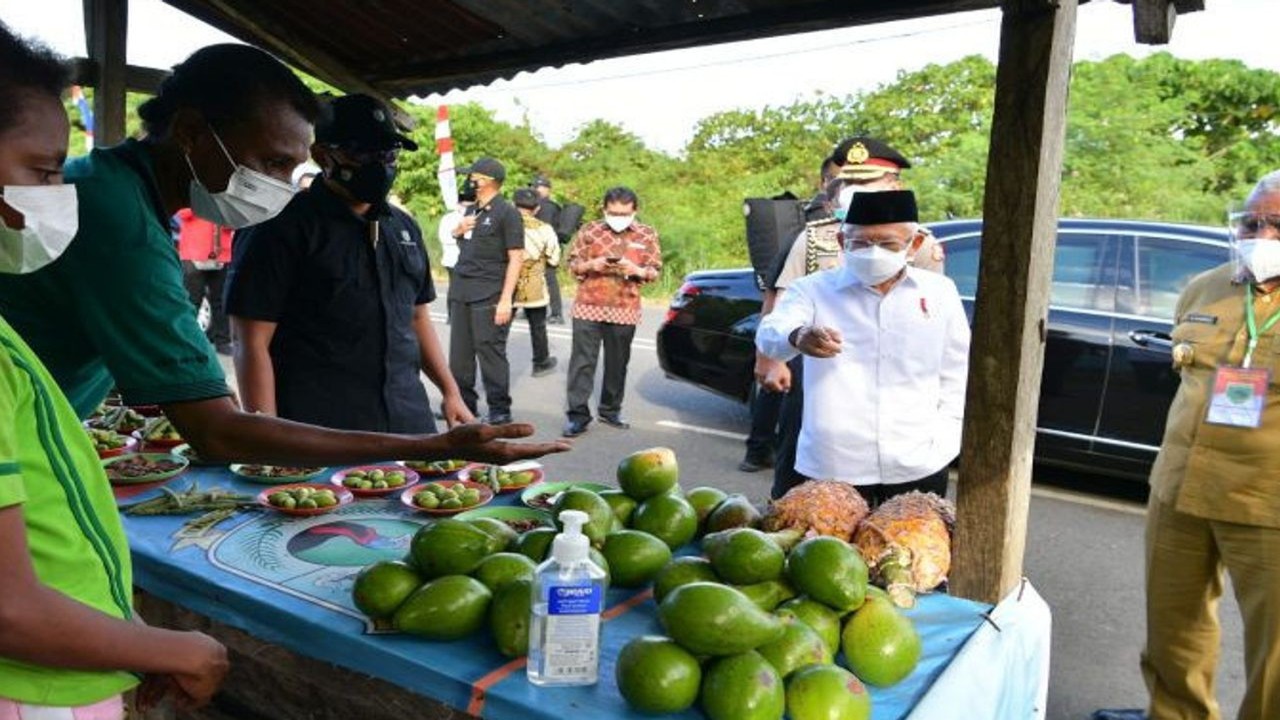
<point>1238,396</point>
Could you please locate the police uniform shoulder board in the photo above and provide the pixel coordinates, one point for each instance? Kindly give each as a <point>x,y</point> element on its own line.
<point>814,233</point>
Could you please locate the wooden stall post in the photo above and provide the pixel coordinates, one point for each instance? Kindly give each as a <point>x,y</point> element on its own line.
<point>106,28</point>
<point>1019,224</point>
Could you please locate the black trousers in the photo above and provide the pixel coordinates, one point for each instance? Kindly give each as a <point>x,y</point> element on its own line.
<point>588,337</point>
<point>553,289</point>
<point>766,407</point>
<point>935,483</point>
<point>790,413</point>
<point>473,335</point>
<point>208,284</point>
<point>537,317</point>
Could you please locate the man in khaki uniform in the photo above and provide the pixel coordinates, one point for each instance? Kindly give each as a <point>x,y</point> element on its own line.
<point>1215,487</point>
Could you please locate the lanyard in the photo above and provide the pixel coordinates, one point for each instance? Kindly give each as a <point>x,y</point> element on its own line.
<point>1252,324</point>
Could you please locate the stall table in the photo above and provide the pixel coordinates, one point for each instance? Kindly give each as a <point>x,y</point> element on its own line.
<point>276,589</point>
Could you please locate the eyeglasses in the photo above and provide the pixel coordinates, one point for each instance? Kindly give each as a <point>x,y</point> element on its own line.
<point>892,244</point>
<point>1250,224</point>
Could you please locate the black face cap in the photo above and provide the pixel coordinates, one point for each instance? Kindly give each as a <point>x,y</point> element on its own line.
<point>360,122</point>
<point>487,167</point>
<point>882,208</point>
<point>540,181</point>
<point>525,198</point>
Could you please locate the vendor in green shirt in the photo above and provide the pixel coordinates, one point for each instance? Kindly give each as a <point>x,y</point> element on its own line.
<point>68,635</point>
<point>223,135</point>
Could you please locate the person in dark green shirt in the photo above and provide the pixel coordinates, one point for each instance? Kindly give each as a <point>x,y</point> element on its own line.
<point>223,135</point>
<point>69,640</point>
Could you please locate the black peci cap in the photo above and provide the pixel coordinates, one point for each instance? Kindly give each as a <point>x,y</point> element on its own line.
<point>360,121</point>
<point>882,208</point>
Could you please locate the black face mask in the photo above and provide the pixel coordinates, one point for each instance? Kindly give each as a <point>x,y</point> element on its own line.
<point>468,191</point>
<point>369,182</point>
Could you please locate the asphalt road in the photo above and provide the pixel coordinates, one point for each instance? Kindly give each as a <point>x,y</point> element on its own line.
<point>1085,533</point>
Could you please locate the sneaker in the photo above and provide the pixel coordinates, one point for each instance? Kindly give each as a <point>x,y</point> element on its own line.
<point>498,419</point>
<point>615,421</point>
<point>755,464</point>
<point>555,320</point>
<point>546,368</point>
<point>574,428</point>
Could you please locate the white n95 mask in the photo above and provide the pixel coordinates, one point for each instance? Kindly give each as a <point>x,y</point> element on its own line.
<point>1262,257</point>
<point>50,218</point>
<point>873,265</point>
<point>250,198</point>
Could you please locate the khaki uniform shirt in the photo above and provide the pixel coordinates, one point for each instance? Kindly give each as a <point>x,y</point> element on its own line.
<point>1218,472</point>
<point>817,248</point>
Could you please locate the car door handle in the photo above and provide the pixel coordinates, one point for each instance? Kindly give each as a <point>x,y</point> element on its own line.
<point>1145,338</point>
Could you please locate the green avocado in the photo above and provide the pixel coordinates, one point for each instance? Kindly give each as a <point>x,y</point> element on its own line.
<point>712,619</point>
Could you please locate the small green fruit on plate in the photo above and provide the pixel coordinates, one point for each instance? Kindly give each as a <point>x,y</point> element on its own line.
<point>375,480</point>
<point>543,496</point>
<point>304,499</point>
<point>446,497</point>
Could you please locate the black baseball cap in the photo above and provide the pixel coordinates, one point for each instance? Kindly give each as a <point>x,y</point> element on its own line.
<point>540,181</point>
<point>488,167</point>
<point>360,121</point>
<point>525,198</point>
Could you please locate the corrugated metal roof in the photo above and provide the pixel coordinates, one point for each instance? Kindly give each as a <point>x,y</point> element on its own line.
<point>417,47</point>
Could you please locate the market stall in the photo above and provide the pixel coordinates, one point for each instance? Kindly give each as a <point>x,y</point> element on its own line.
<point>265,581</point>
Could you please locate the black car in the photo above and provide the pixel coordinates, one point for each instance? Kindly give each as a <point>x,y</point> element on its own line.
<point>1108,379</point>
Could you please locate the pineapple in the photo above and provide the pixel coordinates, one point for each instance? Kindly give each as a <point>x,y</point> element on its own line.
<point>818,507</point>
<point>907,544</point>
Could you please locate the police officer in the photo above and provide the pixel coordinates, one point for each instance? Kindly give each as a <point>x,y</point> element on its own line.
<point>329,298</point>
<point>490,256</point>
<point>866,165</point>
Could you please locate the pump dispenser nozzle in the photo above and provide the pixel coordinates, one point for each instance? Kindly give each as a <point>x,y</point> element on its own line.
<point>571,546</point>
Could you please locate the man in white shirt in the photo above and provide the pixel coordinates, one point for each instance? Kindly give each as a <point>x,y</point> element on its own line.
<point>886,349</point>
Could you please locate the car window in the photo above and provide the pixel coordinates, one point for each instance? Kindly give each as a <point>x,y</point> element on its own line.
<point>1083,271</point>
<point>962,264</point>
<point>1165,266</point>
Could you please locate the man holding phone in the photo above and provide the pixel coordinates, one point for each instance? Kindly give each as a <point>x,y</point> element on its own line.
<point>611,258</point>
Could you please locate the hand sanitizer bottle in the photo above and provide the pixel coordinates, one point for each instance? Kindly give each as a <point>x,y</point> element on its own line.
<point>568,596</point>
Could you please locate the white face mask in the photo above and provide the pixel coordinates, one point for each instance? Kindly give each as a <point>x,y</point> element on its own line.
<point>618,223</point>
<point>250,198</point>
<point>1262,257</point>
<point>873,265</point>
<point>50,218</point>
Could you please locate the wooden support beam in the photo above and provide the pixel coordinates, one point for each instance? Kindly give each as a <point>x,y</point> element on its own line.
<point>1020,213</point>
<point>1153,21</point>
<point>106,28</point>
<point>136,78</point>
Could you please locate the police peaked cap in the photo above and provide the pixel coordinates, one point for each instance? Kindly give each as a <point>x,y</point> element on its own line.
<point>865,158</point>
<point>883,208</point>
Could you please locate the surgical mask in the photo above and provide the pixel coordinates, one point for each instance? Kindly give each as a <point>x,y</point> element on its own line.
<point>50,218</point>
<point>874,265</point>
<point>618,223</point>
<point>250,198</point>
<point>1262,257</point>
<point>368,182</point>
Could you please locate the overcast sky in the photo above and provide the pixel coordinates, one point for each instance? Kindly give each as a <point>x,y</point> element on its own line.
<point>661,96</point>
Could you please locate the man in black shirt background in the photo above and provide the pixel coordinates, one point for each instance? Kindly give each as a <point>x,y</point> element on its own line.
<point>490,255</point>
<point>549,212</point>
<point>329,298</point>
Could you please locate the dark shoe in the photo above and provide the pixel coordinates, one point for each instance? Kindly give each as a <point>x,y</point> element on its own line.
<point>555,320</point>
<point>574,428</point>
<point>755,464</point>
<point>546,368</point>
<point>224,349</point>
<point>615,421</point>
<point>498,419</point>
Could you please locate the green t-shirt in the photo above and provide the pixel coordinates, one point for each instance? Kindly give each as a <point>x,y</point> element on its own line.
<point>113,310</point>
<point>78,547</point>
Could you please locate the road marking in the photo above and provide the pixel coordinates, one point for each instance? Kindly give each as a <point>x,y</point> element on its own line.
<point>699,429</point>
<point>554,332</point>
<point>1088,500</point>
